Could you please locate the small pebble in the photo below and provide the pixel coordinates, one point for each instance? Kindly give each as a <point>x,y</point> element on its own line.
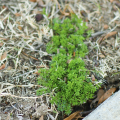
<point>38,17</point>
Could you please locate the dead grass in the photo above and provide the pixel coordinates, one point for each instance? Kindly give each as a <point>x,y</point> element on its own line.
<point>22,47</point>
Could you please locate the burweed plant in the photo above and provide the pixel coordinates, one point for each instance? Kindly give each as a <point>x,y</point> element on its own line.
<point>67,74</point>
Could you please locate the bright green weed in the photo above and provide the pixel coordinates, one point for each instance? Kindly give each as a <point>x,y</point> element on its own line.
<point>67,73</point>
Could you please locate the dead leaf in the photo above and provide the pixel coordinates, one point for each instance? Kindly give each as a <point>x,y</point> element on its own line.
<point>74,115</point>
<point>1,44</point>
<point>110,34</point>
<point>112,1</point>
<point>37,73</point>
<point>106,95</point>
<point>99,95</point>
<point>41,118</point>
<point>105,27</point>
<point>93,77</point>
<point>19,27</point>
<point>17,14</point>
<point>3,66</point>
<point>3,6</point>
<point>67,7</point>
<point>32,0</point>
<point>3,38</point>
<point>73,54</point>
<point>101,56</point>
<point>4,56</point>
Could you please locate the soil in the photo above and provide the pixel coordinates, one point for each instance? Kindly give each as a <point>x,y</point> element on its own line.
<point>22,51</point>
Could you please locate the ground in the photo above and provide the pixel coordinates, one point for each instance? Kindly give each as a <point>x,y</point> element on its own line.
<point>23,52</point>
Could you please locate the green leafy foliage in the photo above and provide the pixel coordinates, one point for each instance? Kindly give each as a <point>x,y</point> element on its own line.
<point>67,74</point>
